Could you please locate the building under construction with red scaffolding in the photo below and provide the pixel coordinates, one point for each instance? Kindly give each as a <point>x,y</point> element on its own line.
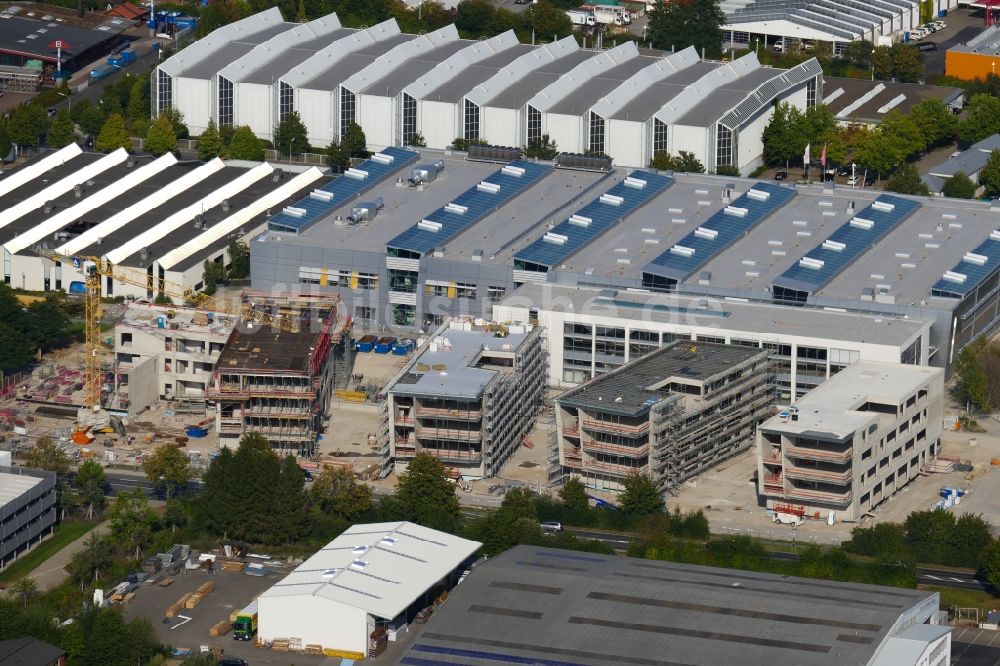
<point>672,414</point>
<point>277,382</point>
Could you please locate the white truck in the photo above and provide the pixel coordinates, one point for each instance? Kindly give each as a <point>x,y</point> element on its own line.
<point>611,15</point>
<point>787,519</point>
<point>579,18</point>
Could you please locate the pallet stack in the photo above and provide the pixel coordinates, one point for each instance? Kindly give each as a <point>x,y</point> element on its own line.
<point>193,601</point>
<point>220,629</point>
<point>233,565</point>
<point>175,608</point>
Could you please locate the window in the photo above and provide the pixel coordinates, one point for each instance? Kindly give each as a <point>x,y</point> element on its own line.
<point>534,123</point>
<point>164,91</point>
<point>596,142</point>
<point>364,312</point>
<point>911,355</point>
<point>660,144</point>
<point>811,93</point>
<point>465,291</point>
<point>655,282</point>
<point>436,290</point>
<point>817,353</point>
<point>225,102</point>
<point>711,338</point>
<point>495,294</point>
<point>348,108</point>
<point>284,100</point>
<point>402,280</point>
<point>471,127</point>
<point>409,117</point>
<point>403,315</point>
<point>365,281</point>
<point>723,146</point>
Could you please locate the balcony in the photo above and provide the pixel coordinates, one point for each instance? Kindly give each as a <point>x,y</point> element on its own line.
<point>772,459</point>
<point>450,434</point>
<point>820,454</point>
<point>454,455</point>
<point>819,496</point>
<point>403,420</point>
<point>456,414</point>
<point>617,449</point>
<point>572,433</point>
<point>409,451</point>
<point>617,428</point>
<point>773,483</point>
<point>624,470</point>
<point>821,475</point>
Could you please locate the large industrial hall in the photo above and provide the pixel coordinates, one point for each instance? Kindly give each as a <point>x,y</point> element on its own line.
<point>258,70</point>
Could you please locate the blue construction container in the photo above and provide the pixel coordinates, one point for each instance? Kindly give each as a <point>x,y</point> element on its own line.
<point>384,344</point>
<point>101,72</point>
<point>403,347</point>
<point>365,344</point>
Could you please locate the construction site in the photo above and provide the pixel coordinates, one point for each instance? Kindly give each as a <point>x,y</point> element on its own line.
<point>672,414</point>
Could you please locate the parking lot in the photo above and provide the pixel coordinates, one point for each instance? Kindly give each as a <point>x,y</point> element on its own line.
<point>189,629</point>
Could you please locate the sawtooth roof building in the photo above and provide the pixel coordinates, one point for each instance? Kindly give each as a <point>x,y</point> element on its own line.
<point>396,86</point>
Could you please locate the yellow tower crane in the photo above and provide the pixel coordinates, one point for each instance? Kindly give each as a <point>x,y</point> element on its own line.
<point>95,268</point>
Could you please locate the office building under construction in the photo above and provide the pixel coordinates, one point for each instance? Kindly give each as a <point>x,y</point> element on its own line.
<point>672,414</point>
<point>278,382</point>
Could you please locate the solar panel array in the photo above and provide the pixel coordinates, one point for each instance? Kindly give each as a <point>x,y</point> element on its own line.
<point>720,231</point>
<point>594,219</point>
<point>296,218</point>
<point>847,243</point>
<point>436,229</point>
<point>975,267</point>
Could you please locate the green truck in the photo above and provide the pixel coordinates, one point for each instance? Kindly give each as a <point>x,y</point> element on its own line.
<point>245,626</point>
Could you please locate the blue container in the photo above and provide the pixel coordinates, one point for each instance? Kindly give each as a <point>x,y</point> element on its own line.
<point>193,431</point>
<point>161,322</point>
<point>77,287</point>
<point>384,345</point>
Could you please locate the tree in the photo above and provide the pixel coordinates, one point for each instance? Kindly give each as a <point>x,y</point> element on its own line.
<point>989,176</point>
<point>132,521</point>
<point>138,99</point>
<point>640,496</point>
<point>113,135</point>
<point>883,541</point>
<point>338,156</point>
<point>542,147</point>
<point>959,186</point>
<point>26,125</point>
<point>290,135</point>
<point>167,467</point>
<point>89,483</point>
<point>989,564</point>
<point>239,260</point>
<point>161,138</point>
<point>290,515</point>
<point>474,16</point>
<point>516,521</point>
<point>574,495</point>
<point>6,145</point>
<point>25,590</point>
<point>416,140</point>
<point>174,515</point>
<point>686,162</point>
<point>245,145</point>
<point>926,11</point>
<point>210,142</point>
<point>176,118</point>
<point>786,135</point>
<point>88,565</point>
<point>61,130</point>
<point>47,455</point>
<point>972,383</point>
<point>820,124</point>
<point>336,491</point>
<point>882,63</point>
<point>906,180</point>
<point>678,25</point>
<point>91,118</point>
<point>859,53</point>
<point>982,119</point>
<point>904,134</point>
<point>970,536</point>
<point>426,496</point>
<point>928,534</point>
<point>907,63</point>
<point>548,21</point>
<point>213,275</point>
<point>878,151</point>
<point>934,119</point>
<point>354,141</point>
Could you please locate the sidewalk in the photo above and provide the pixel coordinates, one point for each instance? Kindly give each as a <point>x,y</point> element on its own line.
<point>52,571</point>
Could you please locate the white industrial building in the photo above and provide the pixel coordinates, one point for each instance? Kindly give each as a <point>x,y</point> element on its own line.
<point>148,216</point>
<point>372,575</point>
<point>618,102</point>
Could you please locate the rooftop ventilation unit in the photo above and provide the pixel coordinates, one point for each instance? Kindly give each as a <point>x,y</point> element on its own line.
<point>580,220</point>
<point>366,211</point>
<point>277,175</point>
<point>583,162</point>
<point>516,172</point>
<point>382,158</point>
<point>683,251</point>
<point>322,195</point>
<point>834,245</point>
<point>225,205</point>
<point>814,264</point>
<point>861,223</point>
<point>612,200</point>
<point>356,174</point>
<point>484,186</point>
<point>78,191</point>
<point>977,259</point>
<point>359,565</point>
<point>735,211</point>
<point>485,153</point>
<point>330,573</point>
<point>708,234</point>
<point>635,183</point>
<point>425,173</point>
<point>952,276</point>
<point>758,195</point>
<point>555,239</point>
<point>429,225</point>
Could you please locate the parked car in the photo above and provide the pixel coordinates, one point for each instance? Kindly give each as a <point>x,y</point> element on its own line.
<point>781,175</point>
<point>843,171</point>
<point>552,526</point>
<point>854,181</point>
<point>869,180</point>
<point>51,111</point>
<point>927,46</point>
<point>307,475</point>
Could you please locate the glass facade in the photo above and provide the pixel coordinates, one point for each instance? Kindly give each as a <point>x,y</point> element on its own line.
<point>595,143</point>
<point>534,123</point>
<point>660,143</point>
<point>409,117</point>
<point>225,102</point>
<point>723,146</point>
<point>164,91</point>
<point>471,125</point>
<point>348,109</point>
<point>284,100</point>
<point>811,93</point>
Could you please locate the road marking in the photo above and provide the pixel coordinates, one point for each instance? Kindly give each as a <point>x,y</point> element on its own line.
<point>931,577</point>
<point>958,580</point>
<point>183,617</point>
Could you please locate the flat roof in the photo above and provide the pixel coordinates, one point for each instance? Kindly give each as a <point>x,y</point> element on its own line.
<point>141,315</point>
<point>12,486</point>
<point>447,365</point>
<point>759,321</point>
<point>353,62</point>
<point>412,69</point>
<point>468,78</point>
<point>229,52</point>
<point>635,387</point>
<point>584,97</point>
<point>831,409</point>
<point>542,605</point>
<point>723,98</point>
<point>25,36</point>
<point>285,61</point>
<point>986,43</point>
<point>843,95</point>
<point>522,89</point>
<point>380,568</point>
<point>645,105</point>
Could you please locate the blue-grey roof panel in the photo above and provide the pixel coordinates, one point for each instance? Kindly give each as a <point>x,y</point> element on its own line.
<point>595,218</point>
<point>971,271</point>
<point>310,209</point>
<point>478,204</point>
<point>720,231</point>
<point>847,243</point>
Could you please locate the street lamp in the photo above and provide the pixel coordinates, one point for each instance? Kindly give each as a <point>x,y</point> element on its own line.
<point>69,100</point>
<point>757,41</point>
<point>873,64</point>
<point>290,158</point>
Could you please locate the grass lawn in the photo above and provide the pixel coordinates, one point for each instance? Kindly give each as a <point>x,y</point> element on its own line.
<point>66,533</point>
<point>964,598</point>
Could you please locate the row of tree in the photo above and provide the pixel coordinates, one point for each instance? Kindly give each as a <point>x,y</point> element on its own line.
<point>26,330</point>
<point>926,537</point>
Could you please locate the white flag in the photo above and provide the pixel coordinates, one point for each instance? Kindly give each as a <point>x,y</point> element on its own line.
<point>805,155</point>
